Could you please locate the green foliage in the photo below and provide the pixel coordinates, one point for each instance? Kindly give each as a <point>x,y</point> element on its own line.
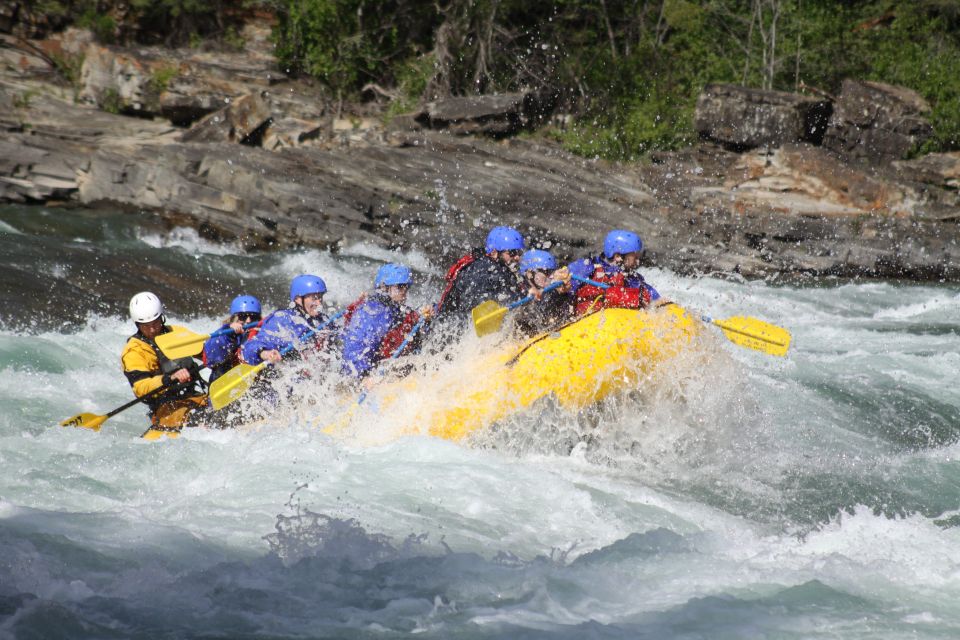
<point>161,77</point>
<point>103,27</point>
<point>628,71</point>
<point>53,8</point>
<point>923,53</point>
<point>190,22</point>
<point>111,102</point>
<point>233,40</point>
<point>347,43</point>
<point>412,78</point>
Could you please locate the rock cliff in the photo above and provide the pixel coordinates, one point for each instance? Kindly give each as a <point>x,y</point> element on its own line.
<point>270,164</point>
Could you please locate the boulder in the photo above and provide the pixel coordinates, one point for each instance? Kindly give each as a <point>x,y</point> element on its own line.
<point>876,122</point>
<point>244,120</point>
<point>744,117</point>
<point>493,115</point>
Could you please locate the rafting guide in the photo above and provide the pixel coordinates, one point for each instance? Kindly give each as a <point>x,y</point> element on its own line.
<point>488,274</point>
<point>148,369</point>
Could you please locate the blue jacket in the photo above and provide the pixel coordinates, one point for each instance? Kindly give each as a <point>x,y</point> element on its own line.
<point>280,329</point>
<point>364,334</point>
<point>586,268</point>
<point>220,352</point>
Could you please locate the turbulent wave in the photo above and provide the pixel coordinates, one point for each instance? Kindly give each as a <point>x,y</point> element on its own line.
<point>730,495</point>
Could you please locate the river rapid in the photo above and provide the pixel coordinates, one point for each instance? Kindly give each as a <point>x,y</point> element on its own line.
<point>736,495</point>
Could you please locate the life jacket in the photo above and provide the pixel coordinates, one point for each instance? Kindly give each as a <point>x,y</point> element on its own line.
<point>618,296</point>
<point>143,360</point>
<point>255,330</point>
<point>452,274</point>
<point>319,340</point>
<point>234,356</point>
<point>395,337</point>
<point>398,332</point>
<point>352,308</point>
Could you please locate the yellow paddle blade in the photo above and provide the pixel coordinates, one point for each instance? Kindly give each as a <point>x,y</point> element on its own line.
<point>756,334</point>
<point>85,420</point>
<point>487,317</point>
<point>181,343</point>
<point>233,384</point>
<point>153,435</point>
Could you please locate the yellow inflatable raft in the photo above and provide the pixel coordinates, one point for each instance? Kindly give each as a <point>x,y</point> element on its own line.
<point>579,364</point>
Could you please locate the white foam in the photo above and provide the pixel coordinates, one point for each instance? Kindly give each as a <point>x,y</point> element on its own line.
<point>188,240</point>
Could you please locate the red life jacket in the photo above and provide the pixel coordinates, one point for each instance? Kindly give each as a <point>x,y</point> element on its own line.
<point>395,337</point>
<point>452,274</point>
<point>617,296</point>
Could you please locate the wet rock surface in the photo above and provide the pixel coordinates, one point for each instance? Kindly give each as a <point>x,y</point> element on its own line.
<point>308,178</point>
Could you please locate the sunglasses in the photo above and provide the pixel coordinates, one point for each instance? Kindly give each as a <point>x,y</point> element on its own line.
<point>248,317</point>
<point>514,253</point>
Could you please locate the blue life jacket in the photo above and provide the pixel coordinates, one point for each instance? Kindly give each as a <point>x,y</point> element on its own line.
<point>221,353</point>
<point>365,331</point>
<point>279,329</point>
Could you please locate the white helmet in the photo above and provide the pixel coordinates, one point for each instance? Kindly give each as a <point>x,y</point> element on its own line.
<point>145,307</point>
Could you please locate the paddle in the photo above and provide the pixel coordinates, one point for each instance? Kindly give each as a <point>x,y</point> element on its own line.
<point>754,334</point>
<point>488,315</point>
<point>183,343</point>
<point>93,421</point>
<point>234,383</point>
<point>743,331</point>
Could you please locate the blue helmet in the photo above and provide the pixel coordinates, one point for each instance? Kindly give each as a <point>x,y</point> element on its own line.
<point>390,274</point>
<point>620,241</point>
<point>504,239</point>
<point>537,259</point>
<point>305,285</point>
<point>244,304</point>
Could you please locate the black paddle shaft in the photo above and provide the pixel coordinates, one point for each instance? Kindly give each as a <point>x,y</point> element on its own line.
<point>145,397</point>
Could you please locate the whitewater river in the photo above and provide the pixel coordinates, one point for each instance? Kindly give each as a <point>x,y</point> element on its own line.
<point>742,496</point>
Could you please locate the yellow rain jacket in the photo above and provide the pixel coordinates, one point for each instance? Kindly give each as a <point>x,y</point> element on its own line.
<point>147,369</point>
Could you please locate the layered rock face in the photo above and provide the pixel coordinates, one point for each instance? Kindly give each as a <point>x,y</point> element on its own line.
<point>877,122</point>
<point>745,118</point>
<point>273,166</point>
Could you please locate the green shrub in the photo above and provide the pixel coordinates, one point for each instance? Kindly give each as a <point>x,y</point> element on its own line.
<point>103,27</point>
